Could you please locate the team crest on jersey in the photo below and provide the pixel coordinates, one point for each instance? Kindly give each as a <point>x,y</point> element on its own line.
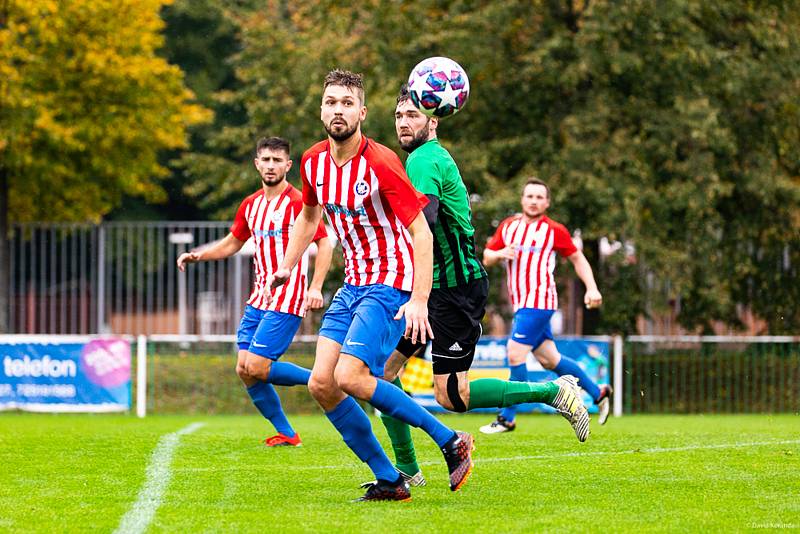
<point>361,188</point>
<point>277,216</point>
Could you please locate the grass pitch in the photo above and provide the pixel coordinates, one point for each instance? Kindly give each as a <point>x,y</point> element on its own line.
<point>638,473</point>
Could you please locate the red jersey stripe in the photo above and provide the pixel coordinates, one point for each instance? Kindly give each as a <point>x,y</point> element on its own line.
<point>269,223</point>
<point>368,201</point>
<point>529,276</point>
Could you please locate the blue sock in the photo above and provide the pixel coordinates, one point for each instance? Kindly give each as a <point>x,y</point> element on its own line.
<point>391,400</point>
<point>356,430</point>
<point>287,374</point>
<point>266,400</point>
<point>568,366</point>
<point>519,373</point>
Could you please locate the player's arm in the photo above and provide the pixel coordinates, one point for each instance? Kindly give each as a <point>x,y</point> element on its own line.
<point>321,265</point>
<point>592,298</point>
<point>431,211</point>
<point>416,309</point>
<point>303,232</point>
<point>227,246</point>
<point>497,250</point>
<point>492,257</point>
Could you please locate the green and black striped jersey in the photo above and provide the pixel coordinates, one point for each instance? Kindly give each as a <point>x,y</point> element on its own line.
<point>434,172</point>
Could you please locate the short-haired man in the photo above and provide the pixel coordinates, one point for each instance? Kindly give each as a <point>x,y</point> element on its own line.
<point>267,328</point>
<point>458,298</point>
<point>528,242</point>
<point>377,216</point>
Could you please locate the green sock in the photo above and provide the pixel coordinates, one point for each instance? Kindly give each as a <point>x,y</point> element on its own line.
<point>400,434</point>
<point>496,393</point>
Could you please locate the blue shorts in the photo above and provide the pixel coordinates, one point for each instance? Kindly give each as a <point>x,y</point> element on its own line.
<point>361,320</point>
<point>266,333</point>
<point>531,326</point>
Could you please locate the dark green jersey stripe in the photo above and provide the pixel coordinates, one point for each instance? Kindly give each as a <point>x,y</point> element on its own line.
<point>439,274</point>
<point>453,262</point>
<point>434,172</point>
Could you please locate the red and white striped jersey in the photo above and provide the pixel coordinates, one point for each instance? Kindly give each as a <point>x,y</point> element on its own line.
<point>269,223</point>
<point>529,276</point>
<point>369,202</point>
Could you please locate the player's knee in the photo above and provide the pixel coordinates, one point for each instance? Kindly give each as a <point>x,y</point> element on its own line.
<point>260,372</point>
<point>456,393</point>
<point>443,400</point>
<point>320,388</point>
<point>347,382</point>
<point>241,371</point>
<point>547,362</point>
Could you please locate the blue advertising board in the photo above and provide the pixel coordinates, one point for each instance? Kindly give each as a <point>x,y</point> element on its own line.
<point>65,374</point>
<point>491,361</point>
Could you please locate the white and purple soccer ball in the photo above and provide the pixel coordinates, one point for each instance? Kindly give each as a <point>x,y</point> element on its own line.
<point>438,86</point>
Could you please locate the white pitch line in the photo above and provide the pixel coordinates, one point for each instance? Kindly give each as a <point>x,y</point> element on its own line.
<point>157,478</point>
<point>653,450</point>
<point>637,451</point>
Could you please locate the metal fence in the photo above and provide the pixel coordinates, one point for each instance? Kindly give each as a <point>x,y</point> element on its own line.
<point>197,374</point>
<point>711,374</point>
<point>651,374</point>
<point>121,278</point>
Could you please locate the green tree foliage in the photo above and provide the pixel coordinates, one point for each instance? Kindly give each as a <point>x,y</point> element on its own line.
<point>671,125</point>
<point>199,38</point>
<point>85,106</point>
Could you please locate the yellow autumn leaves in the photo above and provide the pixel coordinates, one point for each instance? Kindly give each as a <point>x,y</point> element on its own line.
<point>86,105</point>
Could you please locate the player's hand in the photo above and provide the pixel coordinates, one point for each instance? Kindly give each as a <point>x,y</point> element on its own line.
<point>507,253</point>
<point>592,299</point>
<point>314,299</point>
<point>278,278</point>
<point>417,325</point>
<point>187,257</point>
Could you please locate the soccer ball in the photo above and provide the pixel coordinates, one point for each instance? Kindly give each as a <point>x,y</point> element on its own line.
<point>438,86</point>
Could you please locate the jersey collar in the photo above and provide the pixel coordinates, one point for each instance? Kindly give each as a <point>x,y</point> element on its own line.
<point>362,147</point>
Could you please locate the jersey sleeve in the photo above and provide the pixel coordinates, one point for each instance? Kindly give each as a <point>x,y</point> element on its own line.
<point>240,229</point>
<point>405,201</point>
<point>562,241</point>
<point>425,176</point>
<point>497,242</point>
<point>309,192</point>
<point>321,231</point>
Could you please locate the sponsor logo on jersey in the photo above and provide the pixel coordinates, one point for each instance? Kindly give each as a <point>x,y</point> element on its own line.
<point>361,188</point>
<point>268,233</point>
<point>344,210</point>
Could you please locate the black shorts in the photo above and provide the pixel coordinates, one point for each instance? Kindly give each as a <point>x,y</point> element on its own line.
<point>455,315</point>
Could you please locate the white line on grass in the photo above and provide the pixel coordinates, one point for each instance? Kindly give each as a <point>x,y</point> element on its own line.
<point>651,450</point>
<point>156,481</point>
<point>636,451</point>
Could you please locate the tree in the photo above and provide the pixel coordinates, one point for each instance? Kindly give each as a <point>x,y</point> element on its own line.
<point>86,105</point>
<point>685,138</point>
<point>671,125</point>
<point>199,38</point>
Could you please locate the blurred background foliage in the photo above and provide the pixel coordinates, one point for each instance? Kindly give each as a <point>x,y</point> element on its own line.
<point>671,127</point>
